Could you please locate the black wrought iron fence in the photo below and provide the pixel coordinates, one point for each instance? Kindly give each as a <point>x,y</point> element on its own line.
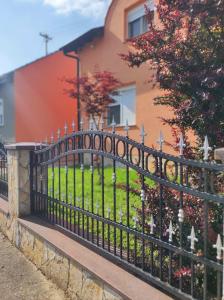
<point>157,215</point>
<point>3,173</point>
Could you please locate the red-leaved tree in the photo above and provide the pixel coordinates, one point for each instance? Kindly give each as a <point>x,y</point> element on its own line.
<point>185,48</point>
<point>96,93</point>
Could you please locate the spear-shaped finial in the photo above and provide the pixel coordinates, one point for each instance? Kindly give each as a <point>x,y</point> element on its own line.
<point>152,225</point>
<point>113,124</point>
<point>143,134</point>
<point>91,123</point>
<point>102,122</point>
<point>181,144</point>
<point>160,141</point>
<point>81,124</point>
<point>218,246</point>
<point>52,138</point>
<point>206,148</point>
<point>73,126</point>
<point>126,128</point>
<point>171,232</point>
<point>192,238</point>
<point>66,129</point>
<point>59,133</point>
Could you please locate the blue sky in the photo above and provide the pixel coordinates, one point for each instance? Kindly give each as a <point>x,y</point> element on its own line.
<point>22,20</point>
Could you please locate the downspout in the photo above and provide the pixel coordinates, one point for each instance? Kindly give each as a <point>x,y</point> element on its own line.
<point>78,85</point>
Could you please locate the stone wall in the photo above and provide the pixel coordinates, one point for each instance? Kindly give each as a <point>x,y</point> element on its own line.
<point>71,277</point>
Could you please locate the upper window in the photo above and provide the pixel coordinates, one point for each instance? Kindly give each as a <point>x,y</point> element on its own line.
<point>1,112</point>
<point>137,20</point>
<point>124,108</point>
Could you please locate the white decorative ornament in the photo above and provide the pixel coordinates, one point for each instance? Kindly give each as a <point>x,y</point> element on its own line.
<point>181,144</point>
<point>206,148</point>
<point>113,177</point>
<point>192,238</point>
<point>142,195</point>
<point>218,246</point>
<point>82,168</point>
<point>152,225</point>
<point>181,215</point>
<point>171,232</point>
<point>135,220</point>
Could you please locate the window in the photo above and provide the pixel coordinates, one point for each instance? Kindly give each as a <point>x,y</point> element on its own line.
<point>137,21</point>
<point>1,113</point>
<point>124,108</point>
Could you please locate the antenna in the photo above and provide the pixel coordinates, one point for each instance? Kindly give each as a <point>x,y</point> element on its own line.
<point>47,39</point>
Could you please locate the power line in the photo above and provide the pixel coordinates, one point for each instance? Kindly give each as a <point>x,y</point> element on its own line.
<point>47,39</point>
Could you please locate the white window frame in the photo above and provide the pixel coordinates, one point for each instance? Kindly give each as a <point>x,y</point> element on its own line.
<point>138,13</point>
<point>122,118</point>
<point>3,112</point>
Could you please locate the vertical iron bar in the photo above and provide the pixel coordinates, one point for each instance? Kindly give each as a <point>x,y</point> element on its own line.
<point>205,235</point>
<point>181,227</point>
<point>127,202</point>
<point>160,217</point>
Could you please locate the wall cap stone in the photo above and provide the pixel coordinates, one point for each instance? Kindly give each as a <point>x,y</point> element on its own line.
<point>23,146</point>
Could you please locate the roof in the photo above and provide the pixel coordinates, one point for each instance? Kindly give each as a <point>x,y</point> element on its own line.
<point>7,77</point>
<point>84,39</point>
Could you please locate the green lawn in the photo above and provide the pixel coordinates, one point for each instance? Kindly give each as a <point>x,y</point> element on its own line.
<point>75,190</point>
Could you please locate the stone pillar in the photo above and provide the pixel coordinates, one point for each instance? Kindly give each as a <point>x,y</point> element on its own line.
<point>18,156</point>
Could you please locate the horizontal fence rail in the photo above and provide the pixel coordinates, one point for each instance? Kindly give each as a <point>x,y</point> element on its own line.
<point>157,215</point>
<point>3,173</point>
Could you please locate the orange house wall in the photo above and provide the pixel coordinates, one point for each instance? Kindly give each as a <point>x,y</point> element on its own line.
<point>104,54</point>
<point>41,103</point>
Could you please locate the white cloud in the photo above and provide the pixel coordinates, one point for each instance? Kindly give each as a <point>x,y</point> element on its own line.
<point>95,8</point>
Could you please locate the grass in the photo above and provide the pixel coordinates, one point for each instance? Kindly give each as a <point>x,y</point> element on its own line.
<point>76,190</point>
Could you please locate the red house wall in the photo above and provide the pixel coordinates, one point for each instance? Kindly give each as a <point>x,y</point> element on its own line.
<point>41,104</point>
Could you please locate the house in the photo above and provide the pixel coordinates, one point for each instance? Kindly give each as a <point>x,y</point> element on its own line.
<point>100,48</point>
<point>33,102</point>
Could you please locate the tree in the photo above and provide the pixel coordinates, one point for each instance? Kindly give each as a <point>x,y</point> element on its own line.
<point>96,93</point>
<point>185,49</point>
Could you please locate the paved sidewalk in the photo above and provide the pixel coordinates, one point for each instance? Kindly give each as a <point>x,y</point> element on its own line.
<point>20,280</point>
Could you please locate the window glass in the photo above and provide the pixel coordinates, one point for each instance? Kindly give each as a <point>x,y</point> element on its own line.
<point>137,21</point>
<point>114,113</point>
<point>125,107</point>
<point>135,28</point>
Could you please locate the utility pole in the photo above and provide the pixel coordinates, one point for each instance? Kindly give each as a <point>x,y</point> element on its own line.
<point>47,39</point>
